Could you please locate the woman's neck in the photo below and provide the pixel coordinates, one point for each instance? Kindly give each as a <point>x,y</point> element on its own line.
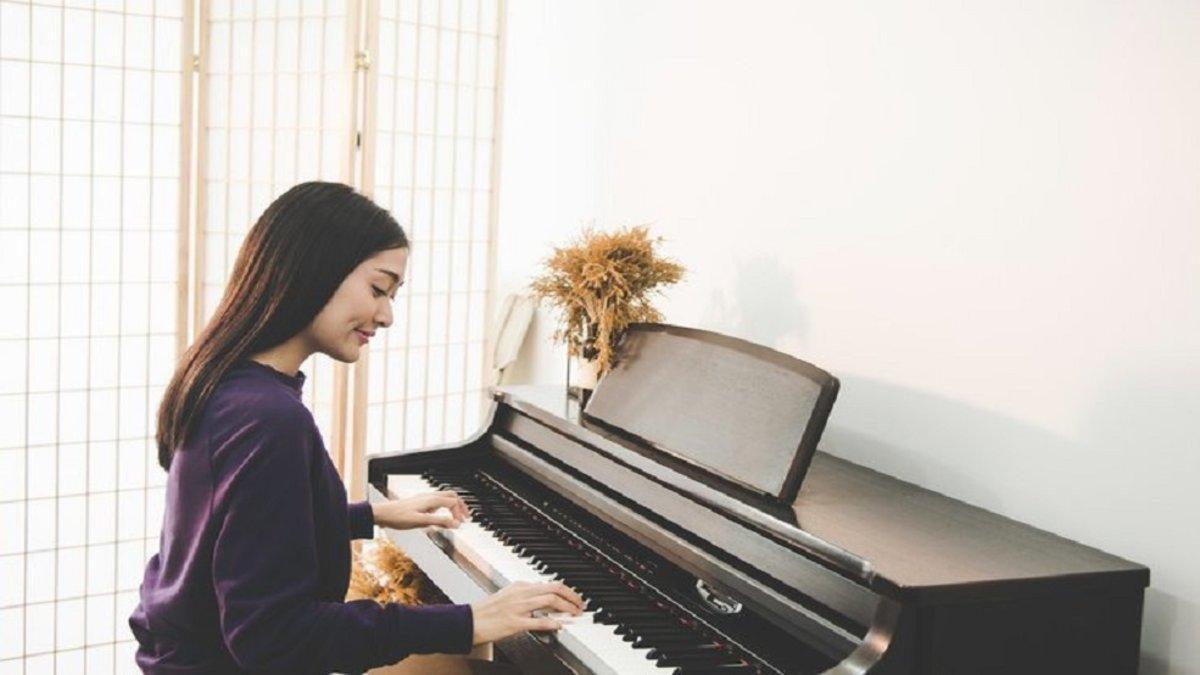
<point>285,357</point>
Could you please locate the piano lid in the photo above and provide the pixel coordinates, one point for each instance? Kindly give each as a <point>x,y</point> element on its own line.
<point>742,412</point>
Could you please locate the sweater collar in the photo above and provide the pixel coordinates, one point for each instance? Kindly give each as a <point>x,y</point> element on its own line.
<point>295,382</point>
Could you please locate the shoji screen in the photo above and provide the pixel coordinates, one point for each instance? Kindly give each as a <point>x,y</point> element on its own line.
<point>116,239</point>
<point>431,159</point>
<point>276,109</point>
<point>90,175</point>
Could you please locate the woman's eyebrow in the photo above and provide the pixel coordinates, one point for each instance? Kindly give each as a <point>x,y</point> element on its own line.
<point>395,277</point>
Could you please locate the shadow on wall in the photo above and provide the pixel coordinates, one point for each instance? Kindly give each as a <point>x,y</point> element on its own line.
<point>1161,612</point>
<point>762,302</point>
<point>1135,441</point>
<point>871,415</point>
<point>773,317</point>
<point>537,339</point>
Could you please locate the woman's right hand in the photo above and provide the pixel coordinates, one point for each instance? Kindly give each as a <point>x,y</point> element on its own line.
<point>510,610</point>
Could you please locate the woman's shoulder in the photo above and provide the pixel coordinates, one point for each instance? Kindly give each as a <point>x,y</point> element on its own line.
<point>248,411</point>
<point>242,391</point>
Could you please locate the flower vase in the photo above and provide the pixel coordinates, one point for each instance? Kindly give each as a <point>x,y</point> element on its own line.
<point>582,375</point>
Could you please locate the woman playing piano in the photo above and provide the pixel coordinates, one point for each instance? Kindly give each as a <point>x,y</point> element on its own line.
<point>253,560</point>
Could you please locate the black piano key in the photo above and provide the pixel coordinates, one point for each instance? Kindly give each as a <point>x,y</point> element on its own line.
<point>592,581</point>
<point>609,594</point>
<point>634,603</point>
<point>649,631</point>
<point>632,618</point>
<point>602,595</point>
<point>631,623</point>
<point>631,626</point>
<point>532,542</point>
<point>651,626</point>
<point>616,595</point>
<point>734,669</point>
<point>666,649</point>
<point>701,661</point>
<point>555,569</point>
<point>689,640</point>
<point>575,564</point>
<point>559,553</point>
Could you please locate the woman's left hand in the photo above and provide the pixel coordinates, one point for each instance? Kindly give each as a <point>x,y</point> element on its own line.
<point>421,510</point>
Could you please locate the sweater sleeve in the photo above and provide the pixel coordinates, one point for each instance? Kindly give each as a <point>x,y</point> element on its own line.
<point>265,569</point>
<point>362,520</point>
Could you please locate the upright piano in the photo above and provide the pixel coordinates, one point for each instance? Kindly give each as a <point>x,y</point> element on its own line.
<point>688,504</point>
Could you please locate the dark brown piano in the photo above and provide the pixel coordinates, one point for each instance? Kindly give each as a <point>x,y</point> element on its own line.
<point>688,503</point>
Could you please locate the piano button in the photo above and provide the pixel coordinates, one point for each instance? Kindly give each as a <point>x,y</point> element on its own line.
<point>734,669</point>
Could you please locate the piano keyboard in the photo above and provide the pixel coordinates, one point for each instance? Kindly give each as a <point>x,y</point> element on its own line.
<point>627,626</point>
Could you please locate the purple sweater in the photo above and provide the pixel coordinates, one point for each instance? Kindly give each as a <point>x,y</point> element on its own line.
<point>254,557</point>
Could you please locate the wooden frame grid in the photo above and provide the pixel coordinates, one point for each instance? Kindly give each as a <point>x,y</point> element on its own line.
<point>437,69</point>
<point>93,103</point>
<point>399,98</point>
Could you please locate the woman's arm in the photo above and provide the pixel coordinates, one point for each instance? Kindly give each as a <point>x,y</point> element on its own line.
<point>265,569</point>
<point>444,509</point>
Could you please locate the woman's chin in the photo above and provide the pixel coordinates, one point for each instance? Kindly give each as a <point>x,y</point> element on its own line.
<point>348,354</point>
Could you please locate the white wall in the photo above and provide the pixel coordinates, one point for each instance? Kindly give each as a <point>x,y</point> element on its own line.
<point>983,217</point>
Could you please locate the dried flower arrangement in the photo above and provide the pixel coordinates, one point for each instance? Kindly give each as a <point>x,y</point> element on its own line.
<point>600,284</point>
<point>383,573</point>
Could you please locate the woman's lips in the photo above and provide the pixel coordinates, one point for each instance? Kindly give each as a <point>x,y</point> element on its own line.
<point>363,338</point>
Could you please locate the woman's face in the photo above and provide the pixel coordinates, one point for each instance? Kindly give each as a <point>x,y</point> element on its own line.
<point>360,306</point>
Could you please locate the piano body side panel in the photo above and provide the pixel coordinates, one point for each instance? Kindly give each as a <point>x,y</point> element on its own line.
<point>1095,633</point>
<point>380,465</point>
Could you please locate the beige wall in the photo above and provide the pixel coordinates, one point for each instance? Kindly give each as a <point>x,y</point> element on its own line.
<point>983,217</point>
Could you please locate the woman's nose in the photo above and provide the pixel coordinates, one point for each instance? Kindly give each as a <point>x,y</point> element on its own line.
<point>384,316</point>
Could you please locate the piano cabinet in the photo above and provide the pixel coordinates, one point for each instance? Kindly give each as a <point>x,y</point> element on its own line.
<point>691,568</point>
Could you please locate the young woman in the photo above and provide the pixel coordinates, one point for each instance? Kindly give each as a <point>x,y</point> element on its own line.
<point>254,556</point>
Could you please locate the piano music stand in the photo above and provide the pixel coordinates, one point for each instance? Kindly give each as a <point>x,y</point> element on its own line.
<point>743,413</point>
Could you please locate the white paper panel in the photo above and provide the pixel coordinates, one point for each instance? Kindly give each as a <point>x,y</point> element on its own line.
<point>89,179</point>
<point>432,168</point>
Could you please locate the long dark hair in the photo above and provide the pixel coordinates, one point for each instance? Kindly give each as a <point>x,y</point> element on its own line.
<point>292,261</point>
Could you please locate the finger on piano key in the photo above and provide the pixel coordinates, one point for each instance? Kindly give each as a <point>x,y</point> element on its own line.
<point>595,644</point>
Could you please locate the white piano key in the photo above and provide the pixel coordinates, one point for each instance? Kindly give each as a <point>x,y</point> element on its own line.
<point>596,645</point>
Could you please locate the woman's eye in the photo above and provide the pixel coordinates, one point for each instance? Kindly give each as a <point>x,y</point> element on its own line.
<point>378,292</point>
